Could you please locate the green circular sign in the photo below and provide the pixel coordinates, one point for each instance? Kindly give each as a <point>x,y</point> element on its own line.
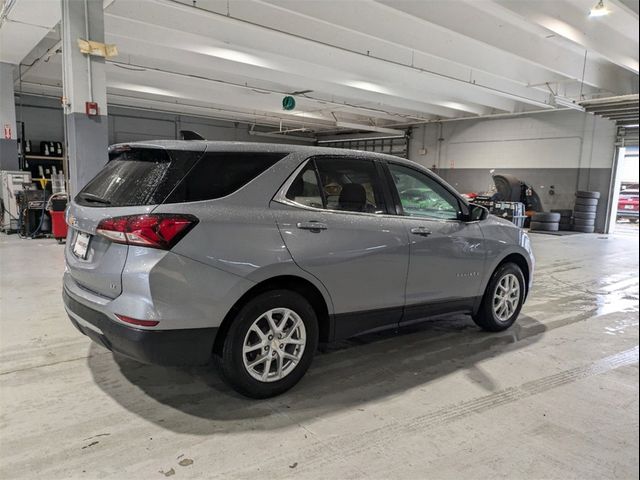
<point>288,103</point>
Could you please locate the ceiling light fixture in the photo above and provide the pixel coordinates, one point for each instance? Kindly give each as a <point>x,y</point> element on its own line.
<point>231,55</point>
<point>371,87</point>
<point>599,10</point>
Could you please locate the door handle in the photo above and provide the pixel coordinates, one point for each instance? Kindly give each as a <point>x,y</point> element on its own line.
<point>312,225</point>
<point>422,231</point>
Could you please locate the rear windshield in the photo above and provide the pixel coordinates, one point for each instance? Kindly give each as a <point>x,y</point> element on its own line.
<point>137,176</point>
<point>151,176</point>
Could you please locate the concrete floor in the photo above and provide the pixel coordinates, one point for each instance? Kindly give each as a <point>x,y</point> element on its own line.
<point>554,397</point>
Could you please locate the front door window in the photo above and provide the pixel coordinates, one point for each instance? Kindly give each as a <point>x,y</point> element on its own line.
<point>421,196</point>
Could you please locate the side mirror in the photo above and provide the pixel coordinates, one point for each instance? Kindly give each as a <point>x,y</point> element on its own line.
<point>477,212</point>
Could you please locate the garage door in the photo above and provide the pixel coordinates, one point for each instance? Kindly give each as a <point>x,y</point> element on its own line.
<point>627,136</point>
<point>398,146</point>
<point>623,110</point>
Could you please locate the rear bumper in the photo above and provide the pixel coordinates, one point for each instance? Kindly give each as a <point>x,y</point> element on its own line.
<point>192,346</point>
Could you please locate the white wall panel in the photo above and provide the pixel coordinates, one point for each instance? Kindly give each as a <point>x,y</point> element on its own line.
<point>517,153</point>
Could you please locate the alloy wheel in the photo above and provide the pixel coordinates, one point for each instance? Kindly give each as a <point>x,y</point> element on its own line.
<point>506,297</point>
<point>274,345</point>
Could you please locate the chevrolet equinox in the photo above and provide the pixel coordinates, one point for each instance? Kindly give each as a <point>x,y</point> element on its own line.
<point>180,251</point>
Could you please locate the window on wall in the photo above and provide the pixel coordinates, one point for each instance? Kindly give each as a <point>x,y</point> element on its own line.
<point>422,196</point>
<point>398,146</point>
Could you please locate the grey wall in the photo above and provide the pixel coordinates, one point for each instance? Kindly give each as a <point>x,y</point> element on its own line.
<point>43,120</point>
<point>568,150</point>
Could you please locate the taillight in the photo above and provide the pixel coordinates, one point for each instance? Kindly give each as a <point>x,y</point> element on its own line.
<point>155,230</point>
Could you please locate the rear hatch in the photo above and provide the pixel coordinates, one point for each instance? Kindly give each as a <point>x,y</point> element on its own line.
<point>135,180</point>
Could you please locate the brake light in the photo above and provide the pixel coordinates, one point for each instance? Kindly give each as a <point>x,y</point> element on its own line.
<point>155,230</point>
<point>135,321</point>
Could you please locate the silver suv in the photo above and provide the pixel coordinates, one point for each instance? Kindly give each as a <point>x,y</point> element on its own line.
<point>180,251</point>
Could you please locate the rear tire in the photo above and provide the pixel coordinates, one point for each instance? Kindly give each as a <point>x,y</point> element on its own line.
<point>491,316</point>
<point>282,344</point>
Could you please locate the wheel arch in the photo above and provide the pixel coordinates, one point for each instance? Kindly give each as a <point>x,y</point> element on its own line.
<point>287,282</point>
<point>521,262</point>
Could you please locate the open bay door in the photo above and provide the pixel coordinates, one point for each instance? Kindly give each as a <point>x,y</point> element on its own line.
<point>622,208</point>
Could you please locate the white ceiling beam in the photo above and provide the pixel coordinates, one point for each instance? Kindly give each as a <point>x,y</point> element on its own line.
<point>365,105</point>
<point>496,26</point>
<point>574,24</point>
<point>130,99</point>
<point>392,33</point>
<point>163,46</point>
<point>630,6</point>
<point>312,108</point>
<point>25,25</point>
<point>621,18</point>
<point>312,56</point>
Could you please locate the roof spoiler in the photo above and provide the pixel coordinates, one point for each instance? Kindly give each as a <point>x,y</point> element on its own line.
<point>190,135</point>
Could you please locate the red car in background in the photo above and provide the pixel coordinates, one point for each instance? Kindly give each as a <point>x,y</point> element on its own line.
<point>628,205</point>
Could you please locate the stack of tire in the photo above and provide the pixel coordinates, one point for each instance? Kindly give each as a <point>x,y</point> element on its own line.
<point>584,212</point>
<point>565,218</point>
<point>545,222</point>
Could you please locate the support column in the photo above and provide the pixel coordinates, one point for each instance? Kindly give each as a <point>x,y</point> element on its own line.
<point>8,134</point>
<point>83,79</point>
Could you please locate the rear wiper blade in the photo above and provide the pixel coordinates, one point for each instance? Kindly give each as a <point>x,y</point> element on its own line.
<point>90,197</point>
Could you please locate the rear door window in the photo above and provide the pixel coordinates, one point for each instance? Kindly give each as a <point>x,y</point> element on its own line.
<point>219,174</point>
<point>339,183</point>
<point>137,176</point>
<point>351,184</point>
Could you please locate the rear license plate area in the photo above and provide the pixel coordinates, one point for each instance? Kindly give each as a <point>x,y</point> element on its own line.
<point>81,245</point>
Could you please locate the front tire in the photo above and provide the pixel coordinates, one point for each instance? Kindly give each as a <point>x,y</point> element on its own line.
<point>502,300</point>
<point>270,344</point>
